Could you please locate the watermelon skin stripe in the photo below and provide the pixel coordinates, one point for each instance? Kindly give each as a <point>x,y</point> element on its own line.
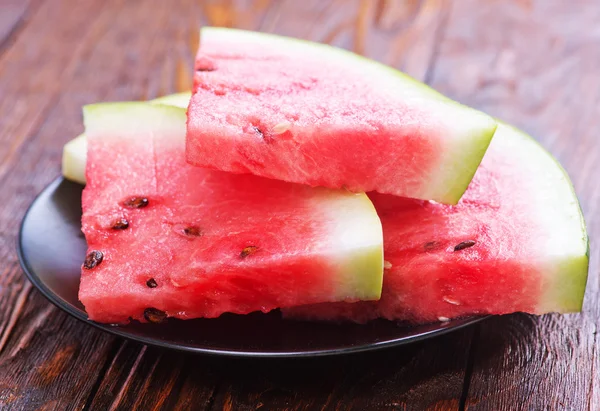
<point>313,114</point>
<point>529,253</point>
<point>199,243</point>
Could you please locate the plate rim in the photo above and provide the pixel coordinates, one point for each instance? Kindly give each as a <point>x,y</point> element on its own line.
<point>60,303</point>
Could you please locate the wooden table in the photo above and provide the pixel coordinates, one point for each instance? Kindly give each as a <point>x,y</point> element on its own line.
<point>533,63</point>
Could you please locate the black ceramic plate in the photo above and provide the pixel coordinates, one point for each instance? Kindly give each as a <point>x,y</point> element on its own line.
<point>51,248</point>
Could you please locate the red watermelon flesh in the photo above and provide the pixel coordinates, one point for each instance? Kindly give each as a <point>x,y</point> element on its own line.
<point>186,242</point>
<point>309,113</point>
<point>515,242</point>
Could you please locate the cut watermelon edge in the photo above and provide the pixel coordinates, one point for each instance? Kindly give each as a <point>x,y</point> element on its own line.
<point>565,289</point>
<point>359,208</point>
<point>453,185</point>
<point>237,35</point>
<point>449,180</point>
<point>75,151</point>
<point>356,249</point>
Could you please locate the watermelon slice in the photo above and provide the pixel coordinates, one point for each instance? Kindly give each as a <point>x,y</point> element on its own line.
<point>309,113</point>
<point>516,242</point>
<point>167,239</point>
<point>75,151</point>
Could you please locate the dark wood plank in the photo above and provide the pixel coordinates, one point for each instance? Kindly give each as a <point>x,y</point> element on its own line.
<point>422,376</point>
<point>15,16</point>
<point>33,372</point>
<point>147,378</point>
<point>143,378</point>
<point>533,63</point>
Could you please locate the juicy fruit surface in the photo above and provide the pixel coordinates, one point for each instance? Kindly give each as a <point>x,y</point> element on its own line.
<point>312,114</point>
<point>191,242</point>
<point>75,151</point>
<point>515,242</point>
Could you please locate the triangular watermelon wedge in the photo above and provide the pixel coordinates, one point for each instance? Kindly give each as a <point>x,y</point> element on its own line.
<point>515,242</point>
<point>309,113</point>
<point>167,239</point>
<point>75,151</point>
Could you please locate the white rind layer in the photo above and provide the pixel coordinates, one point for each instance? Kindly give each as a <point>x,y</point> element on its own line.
<point>360,244</point>
<point>75,151</point>
<point>561,238</point>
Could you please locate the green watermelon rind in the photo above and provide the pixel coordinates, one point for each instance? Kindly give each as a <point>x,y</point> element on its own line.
<point>453,186</point>
<point>352,267</point>
<point>74,158</point>
<point>475,131</point>
<point>579,265</point>
<point>75,151</point>
<point>567,276</point>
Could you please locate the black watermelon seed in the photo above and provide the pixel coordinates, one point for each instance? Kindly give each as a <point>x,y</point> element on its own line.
<point>120,224</point>
<point>154,315</point>
<point>431,245</point>
<point>205,68</point>
<point>463,245</point>
<point>251,249</point>
<point>258,131</point>
<point>192,231</point>
<point>151,283</point>
<point>136,202</point>
<point>93,259</point>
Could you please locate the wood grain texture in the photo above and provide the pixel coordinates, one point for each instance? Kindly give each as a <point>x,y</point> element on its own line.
<point>14,18</point>
<point>422,376</point>
<point>32,70</point>
<point>532,63</point>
